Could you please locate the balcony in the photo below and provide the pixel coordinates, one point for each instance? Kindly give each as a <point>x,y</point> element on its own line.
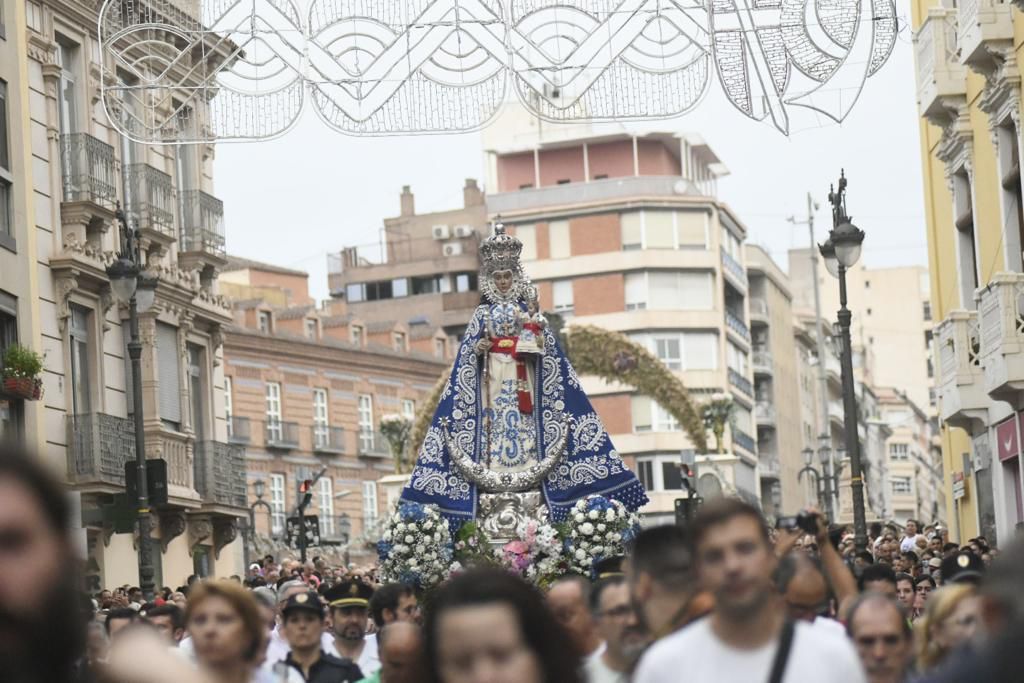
<point>151,199</point>
<point>87,170</point>
<point>220,474</point>
<point>98,447</point>
<point>737,326</point>
<point>279,434</point>
<point>743,440</point>
<point>764,414</point>
<point>373,445</point>
<point>740,382</point>
<point>770,467</point>
<point>202,228</point>
<point>1001,315</point>
<point>833,369</point>
<point>177,450</point>
<point>836,413</point>
<point>608,189</point>
<point>761,361</point>
<point>962,398</point>
<point>734,269</point>
<point>940,75</point>
<point>239,429</point>
<point>328,439</point>
<point>759,311</point>
<point>984,28</point>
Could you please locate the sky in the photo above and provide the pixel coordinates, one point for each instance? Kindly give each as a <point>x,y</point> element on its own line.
<point>293,200</point>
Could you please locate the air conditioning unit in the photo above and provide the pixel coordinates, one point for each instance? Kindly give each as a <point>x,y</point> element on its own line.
<point>464,230</point>
<point>453,249</point>
<point>441,232</point>
<point>552,92</point>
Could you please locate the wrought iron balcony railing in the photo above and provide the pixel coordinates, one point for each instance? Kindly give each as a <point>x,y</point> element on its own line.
<point>151,196</point>
<point>733,267</point>
<point>736,324</point>
<point>373,444</point>
<point>202,223</point>
<point>220,473</point>
<point>761,360</point>
<point>744,440</point>
<point>764,413</point>
<point>87,170</point>
<point>98,447</point>
<point>740,382</point>
<point>328,439</point>
<point>280,434</point>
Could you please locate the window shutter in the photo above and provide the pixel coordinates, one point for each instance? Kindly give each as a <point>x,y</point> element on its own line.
<point>694,291</point>
<point>562,295</point>
<point>700,351</point>
<point>636,290</point>
<point>691,226</point>
<point>527,234</point>
<point>664,290</point>
<point>641,407</point>
<point>660,232</point>
<point>558,232</point>
<point>631,230</point>
<point>169,376</point>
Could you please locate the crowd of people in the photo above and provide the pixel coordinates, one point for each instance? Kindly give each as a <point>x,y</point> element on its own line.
<point>725,599</point>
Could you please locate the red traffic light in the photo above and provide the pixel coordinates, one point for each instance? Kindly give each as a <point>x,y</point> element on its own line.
<point>306,486</point>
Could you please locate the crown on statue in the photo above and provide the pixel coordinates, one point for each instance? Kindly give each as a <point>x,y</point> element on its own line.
<point>500,251</point>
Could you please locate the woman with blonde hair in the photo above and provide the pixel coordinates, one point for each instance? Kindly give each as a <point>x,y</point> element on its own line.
<point>949,620</point>
<point>228,631</point>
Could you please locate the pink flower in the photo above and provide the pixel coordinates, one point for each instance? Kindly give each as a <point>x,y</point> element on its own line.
<point>517,547</point>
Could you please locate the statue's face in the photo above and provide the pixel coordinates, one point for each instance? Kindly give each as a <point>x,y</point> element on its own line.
<point>502,280</point>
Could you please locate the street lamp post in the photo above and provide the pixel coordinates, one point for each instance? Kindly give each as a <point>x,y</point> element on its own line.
<point>259,488</point>
<point>345,528</point>
<point>841,252</point>
<point>135,288</point>
<point>825,484</point>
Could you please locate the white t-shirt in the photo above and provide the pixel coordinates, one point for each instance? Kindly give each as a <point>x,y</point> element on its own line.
<point>908,543</point>
<point>698,656</point>
<point>597,671</point>
<point>369,659</point>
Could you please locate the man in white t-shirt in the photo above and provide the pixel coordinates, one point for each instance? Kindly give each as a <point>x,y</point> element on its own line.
<point>910,536</point>
<point>738,641</point>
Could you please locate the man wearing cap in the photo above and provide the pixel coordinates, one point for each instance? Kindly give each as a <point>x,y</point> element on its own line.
<point>349,603</point>
<point>963,567</point>
<point>302,622</point>
<point>277,648</point>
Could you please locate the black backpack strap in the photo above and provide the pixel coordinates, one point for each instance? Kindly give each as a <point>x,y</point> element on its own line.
<point>782,654</point>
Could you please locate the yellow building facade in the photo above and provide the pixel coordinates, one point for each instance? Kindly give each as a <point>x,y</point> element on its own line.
<point>969,97</point>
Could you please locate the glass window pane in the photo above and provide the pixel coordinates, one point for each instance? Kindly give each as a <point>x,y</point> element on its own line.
<point>354,292</point>
<point>6,223</point>
<point>645,472</point>
<point>672,479</point>
<point>5,159</point>
<point>400,287</point>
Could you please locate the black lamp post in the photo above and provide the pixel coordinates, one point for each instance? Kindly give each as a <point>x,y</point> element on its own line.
<point>134,287</point>
<point>841,252</point>
<point>259,488</point>
<point>345,528</point>
<point>825,484</point>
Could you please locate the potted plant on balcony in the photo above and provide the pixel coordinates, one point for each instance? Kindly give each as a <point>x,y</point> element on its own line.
<point>21,370</point>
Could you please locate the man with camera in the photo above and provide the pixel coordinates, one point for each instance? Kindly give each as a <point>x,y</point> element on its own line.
<point>832,566</point>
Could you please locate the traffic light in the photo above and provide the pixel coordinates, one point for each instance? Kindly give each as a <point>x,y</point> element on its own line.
<point>306,493</point>
<point>688,470</point>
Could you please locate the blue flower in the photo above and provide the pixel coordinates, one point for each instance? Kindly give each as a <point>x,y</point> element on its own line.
<point>412,511</point>
<point>599,503</point>
<point>383,549</point>
<point>628,534</point>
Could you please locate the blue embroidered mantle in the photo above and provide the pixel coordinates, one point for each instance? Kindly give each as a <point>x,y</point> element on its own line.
<point>590,463</point>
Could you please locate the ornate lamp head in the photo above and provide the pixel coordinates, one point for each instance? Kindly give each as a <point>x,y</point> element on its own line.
<point>498,253</point>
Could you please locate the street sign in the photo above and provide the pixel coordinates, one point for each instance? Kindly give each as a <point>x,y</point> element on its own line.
<point>293,525</point>
<point>686,508</point>
<point>959,485</point>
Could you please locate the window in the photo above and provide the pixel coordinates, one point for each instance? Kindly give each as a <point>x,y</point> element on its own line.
<point>661,229</point>
<point>398,339</point>
<point>408,408</point>
<point>365,416</point>
<point>264,321</point>
<point>901,485</point>
<point>663,420</point>
<point>641,409</point>
<point>6,176</point>
<point>228,406</point>
<point>10,418</point>
<point>310,328</point>
<point>355,292</point>
<point>169,375</point>
<point>369,504</point>
<point>926,310</point>
<point>431,284</point>
<point>321,437</point>
<point>899,451</point>
<point>669,290</point>
<point>356,333</point>
<point>67,90</point>
<point>669,351</point>
<point>277,504</point>
<point>326,504</point>
<point>81,402</point>
<point>660,472</point>
<point>558,235</point>
<point>736,358</point>
<point>700,351</point>
<point>196,390</point>
<point>562,296</point>
<point>527,234</point>
<point>440,348</point>
<point>465,282</point>
<point>274,429</point>
<point>400,287</point>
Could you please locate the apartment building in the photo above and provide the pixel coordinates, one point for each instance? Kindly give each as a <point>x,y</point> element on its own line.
<point>914,459</point>
<point>774,361</point>
<point>621,231</point>
<point>304,394</point>
<point>423,272</point>
<point>969,98</point>
<point>63,170</point>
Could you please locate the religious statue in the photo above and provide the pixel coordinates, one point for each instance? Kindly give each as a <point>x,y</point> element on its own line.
<point>514,434</point>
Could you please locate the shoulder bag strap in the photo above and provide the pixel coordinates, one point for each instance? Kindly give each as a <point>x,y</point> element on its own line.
<point>782,654</point>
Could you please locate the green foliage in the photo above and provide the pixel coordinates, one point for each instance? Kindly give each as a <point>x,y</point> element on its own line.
<point>22,362</point>
<point>717,412</point>
<point>396,428</point>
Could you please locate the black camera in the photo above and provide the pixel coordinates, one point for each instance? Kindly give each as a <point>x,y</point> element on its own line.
<point>804,521</point>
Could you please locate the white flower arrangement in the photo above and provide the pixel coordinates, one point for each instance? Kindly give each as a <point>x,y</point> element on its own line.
<point>597,527</point>
<point>416,547</point>
<point>535,554</point>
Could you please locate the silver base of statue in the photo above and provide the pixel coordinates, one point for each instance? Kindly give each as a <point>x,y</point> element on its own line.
<point>501,513</point>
